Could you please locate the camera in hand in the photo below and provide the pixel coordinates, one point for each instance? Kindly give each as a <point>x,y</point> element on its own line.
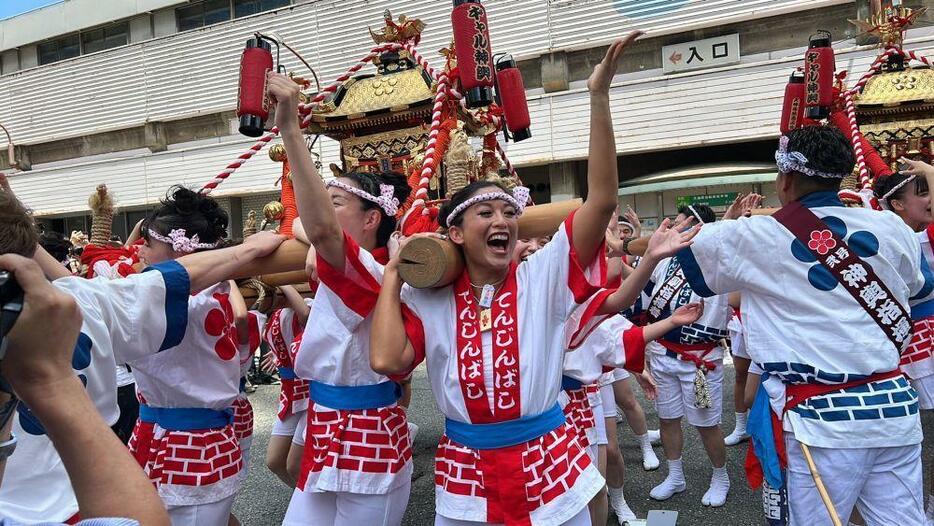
<point>11,304</point>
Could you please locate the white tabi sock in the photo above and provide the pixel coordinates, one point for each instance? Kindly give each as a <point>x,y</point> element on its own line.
<point>673,483</point>
<point>719,487</point>
<point>655,436</point>
<point>618,504</point>
<point>413,431</point>
<point>739,433</point>
<point>649,460</point>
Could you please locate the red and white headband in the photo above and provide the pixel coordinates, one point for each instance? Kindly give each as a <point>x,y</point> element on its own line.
<point>386,201</point>
<point>180,242</point>
<point>518,199</point>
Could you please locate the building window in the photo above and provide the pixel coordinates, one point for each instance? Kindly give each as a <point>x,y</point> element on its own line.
<point>202,14</point>
<point>251,7</point>
<point>213,11</point>
<point>59,49</point>
<point>104,38</point>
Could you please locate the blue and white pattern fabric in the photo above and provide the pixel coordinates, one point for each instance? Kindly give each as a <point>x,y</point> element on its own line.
<point>116,322</point>
<point>804,328</point>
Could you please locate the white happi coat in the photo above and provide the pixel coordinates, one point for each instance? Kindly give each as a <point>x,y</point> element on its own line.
<point>710,327</point>
<point>280,334</point>
<point>201,370</point>
<point>553,306</point>
<point>364,451</point>
<point>804,327</point>
<point>35,486</point>
<point>614,343</point>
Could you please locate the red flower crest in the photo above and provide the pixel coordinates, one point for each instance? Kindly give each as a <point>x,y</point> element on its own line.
<point>822,241</point>
<point>220,322</point>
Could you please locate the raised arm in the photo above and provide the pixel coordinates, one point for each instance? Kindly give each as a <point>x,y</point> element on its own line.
<point>602,178</point>
<point>665,242</point>
<point>314,204</point>
<point>390,350</point>
<point>240,312</point>
<point>213,266</point>
<point>296,303</point>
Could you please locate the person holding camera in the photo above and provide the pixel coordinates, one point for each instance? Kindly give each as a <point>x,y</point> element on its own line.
<point>38,366</point>
<point>116,326</point>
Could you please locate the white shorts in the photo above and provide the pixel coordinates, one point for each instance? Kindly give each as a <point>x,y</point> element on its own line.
<point>287,427</point>
<point>737,339</point>
<point>329,508</point>
<point>210,514</point>
<point>299,436</point>
<point>581,519</point>
<point>925,388</point>
<point>883,483</point>
<point>600,426</point>
<point>608,401</point>
<point>675,380</point>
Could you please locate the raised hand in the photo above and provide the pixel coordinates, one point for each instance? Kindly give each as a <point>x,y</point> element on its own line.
<point>668,240</point>
<point>268,364</point>
<point>633,218</point>
<point>263,243</point>
<point>687,314</point>
<point>916,168</point>
<point>603,73</point>
<point>284,92</point>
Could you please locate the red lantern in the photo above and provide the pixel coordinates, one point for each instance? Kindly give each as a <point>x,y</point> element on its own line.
<point>474,58</point>
<point>793,106</point>
<point>252,103</point>
<point>511,92</point>
<point>819,76</point>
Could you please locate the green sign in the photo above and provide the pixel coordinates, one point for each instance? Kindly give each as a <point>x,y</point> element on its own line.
<point>711,200</point>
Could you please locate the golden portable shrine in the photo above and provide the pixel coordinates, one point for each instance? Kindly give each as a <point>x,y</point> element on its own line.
<point>411,118</point>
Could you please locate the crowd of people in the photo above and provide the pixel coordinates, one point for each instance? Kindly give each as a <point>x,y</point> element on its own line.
<point>528,352</point>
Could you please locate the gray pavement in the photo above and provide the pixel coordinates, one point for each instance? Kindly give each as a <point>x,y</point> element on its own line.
<point>264,498</point>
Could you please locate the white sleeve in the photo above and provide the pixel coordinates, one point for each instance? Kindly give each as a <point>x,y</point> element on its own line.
<point>348,296</point>
<point>618,343</point>
<point>144,313</point>
<point>557,279</point>
<point>710,264</point>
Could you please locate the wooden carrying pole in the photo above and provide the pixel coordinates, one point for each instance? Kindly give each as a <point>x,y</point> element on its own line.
<point>824,496</point>
<point>431,262</point>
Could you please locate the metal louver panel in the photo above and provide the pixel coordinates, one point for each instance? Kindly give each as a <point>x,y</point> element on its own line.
<point>577,24</point>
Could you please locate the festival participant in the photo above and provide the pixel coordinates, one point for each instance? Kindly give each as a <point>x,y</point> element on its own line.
<point>285,324</point>
<point>825,292</point>
<point>249,325</point>
<point>508,455</point>
<point>688,366</point>
<point>185,437</point>
<point>357,462</point>
<point>906,193</point>
<point>116,324</point>
<point>741,369</point>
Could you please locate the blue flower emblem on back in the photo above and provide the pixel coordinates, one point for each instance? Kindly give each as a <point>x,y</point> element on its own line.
<point>863,243</point>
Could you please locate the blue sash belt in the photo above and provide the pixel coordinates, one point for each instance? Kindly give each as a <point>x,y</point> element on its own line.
<point>287,373</point>
<point>924,310</point>
<point>355,397</point>
<point>570,384</point>
<point>504,434</point>
<point>185,418</point>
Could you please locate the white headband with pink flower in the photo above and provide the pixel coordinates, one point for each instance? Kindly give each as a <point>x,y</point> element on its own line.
<point>180,242</point>
<point>518,199</point>
<point>386,199</point>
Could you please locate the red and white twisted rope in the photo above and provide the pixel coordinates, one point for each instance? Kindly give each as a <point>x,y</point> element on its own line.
<point>850,107</point>
<point>304,109</point>
<point>420,60</point>
<point>502,155</point>
<point>429,165</point>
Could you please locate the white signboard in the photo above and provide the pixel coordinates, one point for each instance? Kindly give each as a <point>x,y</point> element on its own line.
<point>699,54</point>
